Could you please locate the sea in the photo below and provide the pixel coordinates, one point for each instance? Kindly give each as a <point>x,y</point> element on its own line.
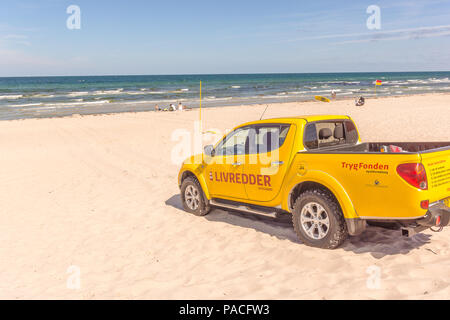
<point>42,97</point>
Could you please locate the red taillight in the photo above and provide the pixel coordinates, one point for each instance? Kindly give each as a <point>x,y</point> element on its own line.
<point>424,204</point>
<point>414,174</point>
<point>438,221</point>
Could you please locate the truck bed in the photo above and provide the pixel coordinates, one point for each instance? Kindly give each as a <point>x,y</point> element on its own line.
<point>369,176</point>
<point>375,147</point>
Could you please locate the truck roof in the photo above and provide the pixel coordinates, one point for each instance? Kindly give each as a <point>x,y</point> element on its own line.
<point>307,118</point>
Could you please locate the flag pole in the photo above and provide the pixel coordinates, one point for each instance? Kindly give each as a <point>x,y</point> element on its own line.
<point>200,118</point>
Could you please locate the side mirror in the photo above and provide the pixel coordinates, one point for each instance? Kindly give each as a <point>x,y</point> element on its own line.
<point>209,150</point>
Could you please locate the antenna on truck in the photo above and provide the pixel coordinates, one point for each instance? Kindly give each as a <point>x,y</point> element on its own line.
<point>264,112</point>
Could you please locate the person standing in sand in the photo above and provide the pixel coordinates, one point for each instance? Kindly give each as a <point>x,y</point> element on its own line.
<point>333,95</point>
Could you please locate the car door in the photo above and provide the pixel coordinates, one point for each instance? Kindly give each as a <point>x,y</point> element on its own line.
<point>266,163</point>
<point>224,172</point>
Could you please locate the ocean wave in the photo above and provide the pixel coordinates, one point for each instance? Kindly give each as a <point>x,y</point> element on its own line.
<point>344,93</point>
<point>71,104</point>
<point>78,94</point>
<point>39,95</point>
<point>337,82</point>
<point>105,92</point>
<point>178,91</point>
<point>443,80</point>
<point>11,97</point>
<point>26,105</point>
<point>165,101</point>
<point>222,98</point>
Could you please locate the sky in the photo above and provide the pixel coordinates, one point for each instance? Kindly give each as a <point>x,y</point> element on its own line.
<point>214,37</point>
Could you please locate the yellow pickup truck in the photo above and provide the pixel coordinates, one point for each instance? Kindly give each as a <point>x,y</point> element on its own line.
<point>317,169</point>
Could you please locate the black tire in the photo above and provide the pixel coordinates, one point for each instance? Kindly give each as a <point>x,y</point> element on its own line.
<point>203,206</point>
<point>336,229</point>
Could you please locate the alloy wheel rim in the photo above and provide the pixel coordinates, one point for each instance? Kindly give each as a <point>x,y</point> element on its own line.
<point>314,220</point>
<point>192,197</point>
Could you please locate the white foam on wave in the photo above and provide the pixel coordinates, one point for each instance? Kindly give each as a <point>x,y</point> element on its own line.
<point>41,95</point>
<point>150,101</point>
<point>177,91</point>
<point>133,93</point>
<point>443,80</point>
<point>71,104</point>
<point>11,97</point>
<point>25,105</point>
<point>344,93</point>
<point>78,94</point>
<point>223,98</point>
<point>105,92</point>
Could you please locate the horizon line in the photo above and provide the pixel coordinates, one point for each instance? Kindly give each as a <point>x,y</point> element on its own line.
<point>213,74</point>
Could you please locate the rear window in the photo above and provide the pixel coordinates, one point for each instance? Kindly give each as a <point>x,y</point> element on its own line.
<point>329,133</point>
<point>350,132</point>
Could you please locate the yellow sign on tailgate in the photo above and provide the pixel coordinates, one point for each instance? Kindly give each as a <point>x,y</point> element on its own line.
<point>447,202</point>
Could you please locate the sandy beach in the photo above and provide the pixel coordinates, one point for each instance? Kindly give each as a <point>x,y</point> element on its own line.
<point>95,199</point>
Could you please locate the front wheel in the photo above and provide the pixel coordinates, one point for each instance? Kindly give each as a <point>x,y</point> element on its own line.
<point>193,198</point>
<point>318,220</point>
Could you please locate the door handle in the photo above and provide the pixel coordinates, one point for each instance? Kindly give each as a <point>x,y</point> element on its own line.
<point>237,163</point>
<point>277,163</point>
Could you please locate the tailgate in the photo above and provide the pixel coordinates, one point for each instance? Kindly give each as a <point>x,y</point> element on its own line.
<point>437,166</point>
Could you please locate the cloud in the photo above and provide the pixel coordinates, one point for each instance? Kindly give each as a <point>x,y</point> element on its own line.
<point>402,34</point>
<point>389,35</point>
<point>10,58</point>
<point>15,36</point>
<point>19,39</point>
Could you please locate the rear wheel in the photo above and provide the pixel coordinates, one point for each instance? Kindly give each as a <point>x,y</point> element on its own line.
<point>318,220</point>
<point>193,198</point>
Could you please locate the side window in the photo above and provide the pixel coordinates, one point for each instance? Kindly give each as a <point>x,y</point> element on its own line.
<point>263,139</point>
<point>310,137</point>
<point>234,143</point>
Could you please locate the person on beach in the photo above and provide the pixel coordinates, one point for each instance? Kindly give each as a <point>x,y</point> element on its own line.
<point>172,107</point>
<point>360,101</point>
<point>333,94</point>
<point>157,108</point>
<point>180,107</point>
